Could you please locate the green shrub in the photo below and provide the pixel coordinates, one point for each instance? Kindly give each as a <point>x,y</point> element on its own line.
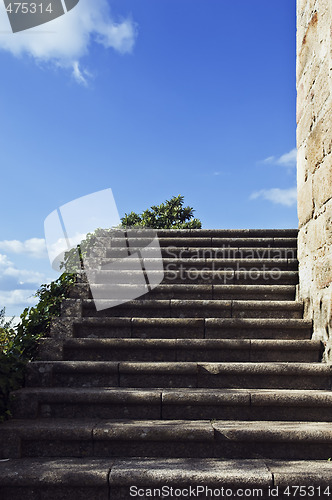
<point>168,215</point>
<point>18,344</point>
<point>36,321</point>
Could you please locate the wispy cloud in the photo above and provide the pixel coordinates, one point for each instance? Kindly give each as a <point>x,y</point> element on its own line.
<point>18,298</point>
<point>80,75</point>
<point>286,160</point>
<point>19,285</point>
<point>64,41</point>
<point>286,197</point>
<point>13,277</point>
<point>23,276</point>
<point>34,247</point>
<point>4,261</point>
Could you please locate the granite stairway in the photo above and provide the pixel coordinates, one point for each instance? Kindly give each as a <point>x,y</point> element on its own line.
<point>211,380</point>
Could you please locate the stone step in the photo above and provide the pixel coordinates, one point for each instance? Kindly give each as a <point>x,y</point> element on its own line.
<point>101,438</point>
<point>258,328</point>
<point>123,478</point>
<point>241,404</point>
<point>224,233</point>
<point>170,404</point>
<point>194,253</point>
<point>193,291</point>
<point>165,439</point>
<point>212,350</point>
<point>174,308</point>
<point>55,479</point>
<point>240,276</point>
<point>198,240</point>
<point>222,242</point>
<point>179,374</point>
<point>221,478</point>
<point>210,328</point>
<point>229,233</point>
<point>174,264</point>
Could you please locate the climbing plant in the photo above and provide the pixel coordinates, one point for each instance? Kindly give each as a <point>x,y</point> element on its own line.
<point>18,344</point>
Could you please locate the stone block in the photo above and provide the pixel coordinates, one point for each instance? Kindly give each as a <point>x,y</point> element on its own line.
<point>62,328</point>
<point>193,471</point>
<point>103,328</point>
<point>305,204</point>
<point>10,444</point>
<point>316,233</point>
<point>322,183</point>
<point>50,349</point>
<point>302,166</point>
<point>39,374</point>
<point>24,404</point>
<point>328,222</point>
<point>305,86</point>
<point>321,89</point>
<point>79,291</point>
<point>303,249</point>
<point>315,146</point>
<point>306,280</point>
<point>20,493</point>
<point>300,473</point>
<point>158,380</point>
<point>322,314</point>
<point>323,272</point>
<point>305,123</point>
<point>71,308</point>
<point>307,46</point>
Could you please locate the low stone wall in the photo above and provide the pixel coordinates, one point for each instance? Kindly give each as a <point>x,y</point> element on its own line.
<point>314,141</point>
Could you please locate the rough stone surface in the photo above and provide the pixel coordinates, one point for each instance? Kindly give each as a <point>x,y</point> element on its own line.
<point>193,383</point>
<point>314,141</point>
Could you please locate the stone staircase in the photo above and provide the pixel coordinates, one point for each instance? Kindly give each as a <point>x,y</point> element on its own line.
<point>210,381</point>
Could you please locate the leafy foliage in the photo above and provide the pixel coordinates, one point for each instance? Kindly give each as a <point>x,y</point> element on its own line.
<point>7,333</point>
<point>18,345</point>
<point>73,260</point>
<point>11,367</point>
<point>36,321</point>
<point>168,215</point>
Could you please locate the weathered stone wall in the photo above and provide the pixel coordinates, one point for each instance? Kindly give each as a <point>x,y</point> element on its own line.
<point>314,141</point>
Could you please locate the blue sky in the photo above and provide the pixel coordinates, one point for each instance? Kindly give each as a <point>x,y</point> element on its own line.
<point>153,98</point>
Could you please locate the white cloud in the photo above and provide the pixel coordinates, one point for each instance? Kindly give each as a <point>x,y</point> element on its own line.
<point>4,261</point>
<point>22,298</point>
<point>81,76</point>
<point>34,247</point>
<point>270,159</point>
<point>286,160</point>
<point>24,276</point>
<point>65,40</point>
<point>12,277</point>
<point>286,197</point>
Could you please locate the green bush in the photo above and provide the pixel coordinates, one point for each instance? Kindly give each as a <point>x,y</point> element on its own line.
<point>168,215</point>
<point>36,321</point>
<point>11,366</point>
<point>18,344</point>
